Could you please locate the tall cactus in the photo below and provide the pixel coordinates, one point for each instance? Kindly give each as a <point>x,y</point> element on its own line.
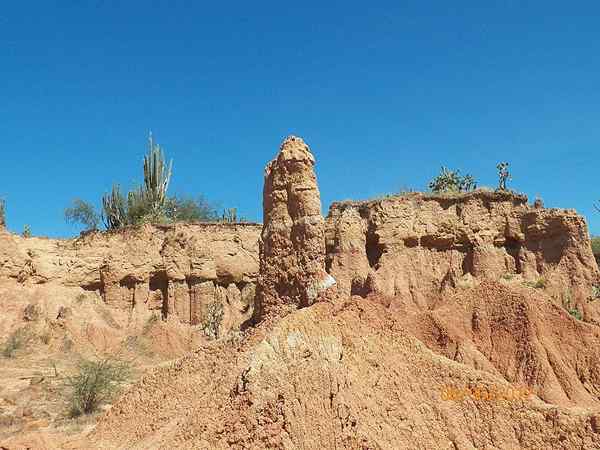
<point>114,211</point>
<point>156,176</point>
<point>2,213</point>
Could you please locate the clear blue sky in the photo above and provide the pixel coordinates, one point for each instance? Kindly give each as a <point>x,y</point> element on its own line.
<point>383,92</point>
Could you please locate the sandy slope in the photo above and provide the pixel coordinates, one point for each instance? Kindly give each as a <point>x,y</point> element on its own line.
<point>352,374</point>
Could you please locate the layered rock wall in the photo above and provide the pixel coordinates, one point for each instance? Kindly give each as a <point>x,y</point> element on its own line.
<point>184,272</point>
<point>417,245</point>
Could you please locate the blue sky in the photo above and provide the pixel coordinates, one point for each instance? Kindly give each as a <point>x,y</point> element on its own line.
<point>384,93</point>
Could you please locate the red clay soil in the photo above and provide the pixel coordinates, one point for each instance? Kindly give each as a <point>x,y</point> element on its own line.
<point>350,373</point>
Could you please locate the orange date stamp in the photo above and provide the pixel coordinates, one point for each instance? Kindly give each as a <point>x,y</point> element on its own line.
<point>485,393</point>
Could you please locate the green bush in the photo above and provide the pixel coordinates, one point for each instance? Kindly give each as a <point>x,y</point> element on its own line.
<point>540,283</point>
<point>83,213</point>
<point>575,313</point>
<point>17,340</point>
<point>26,231</point>
<point>95,383</point>
<point>451,181</point>
<point>596,245</point>
<point>2,212</point>
<point>186,209</point>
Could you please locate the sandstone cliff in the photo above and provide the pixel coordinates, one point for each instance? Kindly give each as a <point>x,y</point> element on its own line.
<point>182,272</point>
<point>417,246</point>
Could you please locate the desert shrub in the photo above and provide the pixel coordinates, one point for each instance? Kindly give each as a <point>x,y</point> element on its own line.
<point>451,181</point>
<point>46,337</point>
<point>67,344</point>
<point>186,209</point>
<point>575,313</point>
<point>540,283</point>
<point>16,341</point>
<point>596,245</point>
<point>503,175</point>
<point>2,212</point>
<point>508,276</point>
<point>95,382</point>
<point>154,318</point>
<point>84,213</point>
<point>212,320</point>
<point>595,292</point>
<point>26,231</point>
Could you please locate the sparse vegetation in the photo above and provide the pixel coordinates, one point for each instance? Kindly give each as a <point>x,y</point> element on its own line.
<point>503,175</point>
<point>16,341</point>
<point>212,320</point>
<point>508,276</point>
<point>154,318</point>
<point>540,283</point>
<point>185,209</point>
<point>2,212</point>
<point>95,382</point>
<point>149,203</point>
<point>596,245</point>
<point>46,337</point>
<point>230,215</point>
<point>575,313</point>
<point>595,292</point>
<point>451,181</point>
<point>84,213</point>
<point>26,231</point>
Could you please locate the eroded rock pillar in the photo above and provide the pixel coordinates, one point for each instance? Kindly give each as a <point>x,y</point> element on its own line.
<point>292,250</point>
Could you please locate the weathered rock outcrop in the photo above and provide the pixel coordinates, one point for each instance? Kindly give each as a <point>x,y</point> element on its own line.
<point>292,251</point>
<point>417,245</point>
<point>185,272</point>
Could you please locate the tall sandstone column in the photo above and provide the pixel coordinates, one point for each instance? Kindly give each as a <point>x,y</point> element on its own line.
<point>292,250</point>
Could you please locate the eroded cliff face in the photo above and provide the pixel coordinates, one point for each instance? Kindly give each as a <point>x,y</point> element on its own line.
<point>292,251</point>
<point>192,273</point>
<point>418,245</point>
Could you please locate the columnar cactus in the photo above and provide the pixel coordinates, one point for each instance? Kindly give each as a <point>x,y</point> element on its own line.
<point>114,212</point>
<point>156,176</point>
<point>2,213</point>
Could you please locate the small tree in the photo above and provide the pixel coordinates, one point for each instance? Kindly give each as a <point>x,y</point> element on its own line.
<point>94,383</point>
<point>185,209</point>
<point>26,231</point>
<point>452,181</point>
<point>83,213</point>
<point>503,175</point>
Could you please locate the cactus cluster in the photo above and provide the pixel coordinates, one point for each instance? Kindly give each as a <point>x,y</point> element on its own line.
<point>114,212</point>
<point>147,202</point>
<point>452,181</point>
<point>156,177</point>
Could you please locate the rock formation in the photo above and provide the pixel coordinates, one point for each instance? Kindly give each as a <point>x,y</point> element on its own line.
<point>415,246</point>
<point>177,271</point>
<point>292,250</point>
